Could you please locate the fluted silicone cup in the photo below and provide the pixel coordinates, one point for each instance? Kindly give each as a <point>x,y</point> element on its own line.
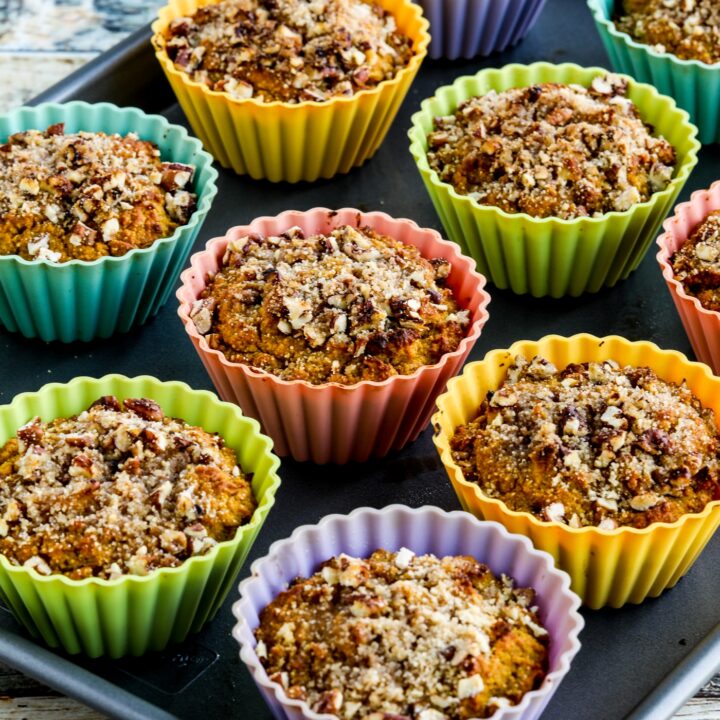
<point>424,530</point>
<point>132,615</point>
<point>332,422</point>
<point>694,85</point>
<point>550,256</point>
<point>467,28</point>
<point>607,567</point>
<point>701,325</point>
<point>80,300</point>
<point>292,142</point>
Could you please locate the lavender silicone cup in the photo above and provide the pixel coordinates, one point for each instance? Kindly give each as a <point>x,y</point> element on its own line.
<point>423,530</point>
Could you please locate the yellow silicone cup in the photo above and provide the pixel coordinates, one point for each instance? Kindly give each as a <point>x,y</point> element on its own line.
<point>293,142</point>
<point>607,567</point>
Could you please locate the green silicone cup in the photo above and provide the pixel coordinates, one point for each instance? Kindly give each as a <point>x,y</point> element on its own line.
<point>550,256</point>
<point>80,300</point>
<point>132,615</point>
<point>694,85</point>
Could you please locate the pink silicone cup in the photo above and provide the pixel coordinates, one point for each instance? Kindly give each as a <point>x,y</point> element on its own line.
<point>332,422</point>
<point>701,325</point>
<point>423,530</point>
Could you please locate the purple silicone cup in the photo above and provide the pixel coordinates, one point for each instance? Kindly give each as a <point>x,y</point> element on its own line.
<point>468,28</point>
<point>425,530</point>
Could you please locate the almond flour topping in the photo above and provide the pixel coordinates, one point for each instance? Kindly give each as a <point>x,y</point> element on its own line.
<point>594,444</point>
<point>289,50</point>
<point>116,491</point>
<point>552,150</point>
<point>689,29</point>
<point>404,637</point>
<point>86,195</point>
<point>348,306</point>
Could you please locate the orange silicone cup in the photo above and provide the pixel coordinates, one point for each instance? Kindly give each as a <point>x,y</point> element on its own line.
<point>333,422</point>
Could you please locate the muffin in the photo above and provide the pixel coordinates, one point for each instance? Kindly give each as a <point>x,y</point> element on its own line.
<point>95,221</point>
<point>465,619</point>
<point>615,447</point>
<point>295,90</point>
<point>561,226</point>
<point>340,347</point>
<point>128,506</point>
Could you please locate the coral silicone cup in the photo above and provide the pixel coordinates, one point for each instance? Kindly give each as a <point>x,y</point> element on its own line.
<point>423,530</point>
<point>694,85</point>
<point>701,325</point>
<point>550,256</point>
<point>607,567</point>
<point>80,300</point>
<point>133,614</point>
<point>333,422</point>
<point>302,141</point>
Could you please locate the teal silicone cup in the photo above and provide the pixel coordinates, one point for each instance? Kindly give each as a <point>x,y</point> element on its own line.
<point>132,615</point>
<point>694,85</point>
<point>550,256</point>
<point>80,300</point>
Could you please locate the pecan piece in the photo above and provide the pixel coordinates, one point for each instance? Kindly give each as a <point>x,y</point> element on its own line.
<point>107,402</point>
<point>175,176</point>
<point>31,433</point>
<point>56,129</point>
<point>144,408</point>
<point>83,235</point>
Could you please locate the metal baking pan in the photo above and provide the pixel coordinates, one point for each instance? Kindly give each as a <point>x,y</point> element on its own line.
<point>639,662</point>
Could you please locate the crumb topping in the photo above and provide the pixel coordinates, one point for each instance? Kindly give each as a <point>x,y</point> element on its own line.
<point>347,306</point>
<point>292,51</point>
<point>117,490</point>
<point>404,637</point>
<point>86,195</point>
<point>689,29</point>
<point>552,150</point>
<point>594,444</point>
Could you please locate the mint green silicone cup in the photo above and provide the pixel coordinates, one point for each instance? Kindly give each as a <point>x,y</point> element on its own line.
<point>80,300</point>
<point>550,256</point>
<point>132,614</point>
<point>694,85</point>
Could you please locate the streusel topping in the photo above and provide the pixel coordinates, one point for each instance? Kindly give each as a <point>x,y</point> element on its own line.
<point>689,29</point>
<point>118,489</point>
<point>552,150</point>
<point>85,195</point>
<point>404,636</point>
<point>347,306</point>
<point>594,444</point>
<point>292,51</point>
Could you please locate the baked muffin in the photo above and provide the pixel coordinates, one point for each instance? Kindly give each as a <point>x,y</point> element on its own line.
<point>404,636</point>
<point>346,306</point>
<point>118,489</point>
<point>86,195</point>
<point>290,51</point>
<point>592,445</point>
<point>552,150</point>
<point>688,29</point>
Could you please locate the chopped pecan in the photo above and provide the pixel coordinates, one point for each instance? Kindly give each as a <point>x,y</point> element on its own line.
<point>144,408</point>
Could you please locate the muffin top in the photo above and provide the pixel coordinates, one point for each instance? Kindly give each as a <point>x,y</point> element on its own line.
<point>85,195</point>
<point>404,636</point>
<point>118,489</point>
<point>290,51</point>
<point>552,150</point>
<point>689,29</point>
<point>348,306</point>
<point>594,444</point>
<point>697,263</point>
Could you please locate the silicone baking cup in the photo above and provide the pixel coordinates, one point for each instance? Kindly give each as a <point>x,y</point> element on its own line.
<point>333,422</point>
<point>80,300</point>
<point>424,530</point>
<point>701,325</point>
<point>284,141</point>
<point>466,28</point>
<point>607,567</point>
<point>694,85</point>
<point>133,614</point>
<point>550,256</point>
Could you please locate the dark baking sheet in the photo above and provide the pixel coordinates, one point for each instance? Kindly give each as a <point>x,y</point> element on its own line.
<point>639,662</point>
